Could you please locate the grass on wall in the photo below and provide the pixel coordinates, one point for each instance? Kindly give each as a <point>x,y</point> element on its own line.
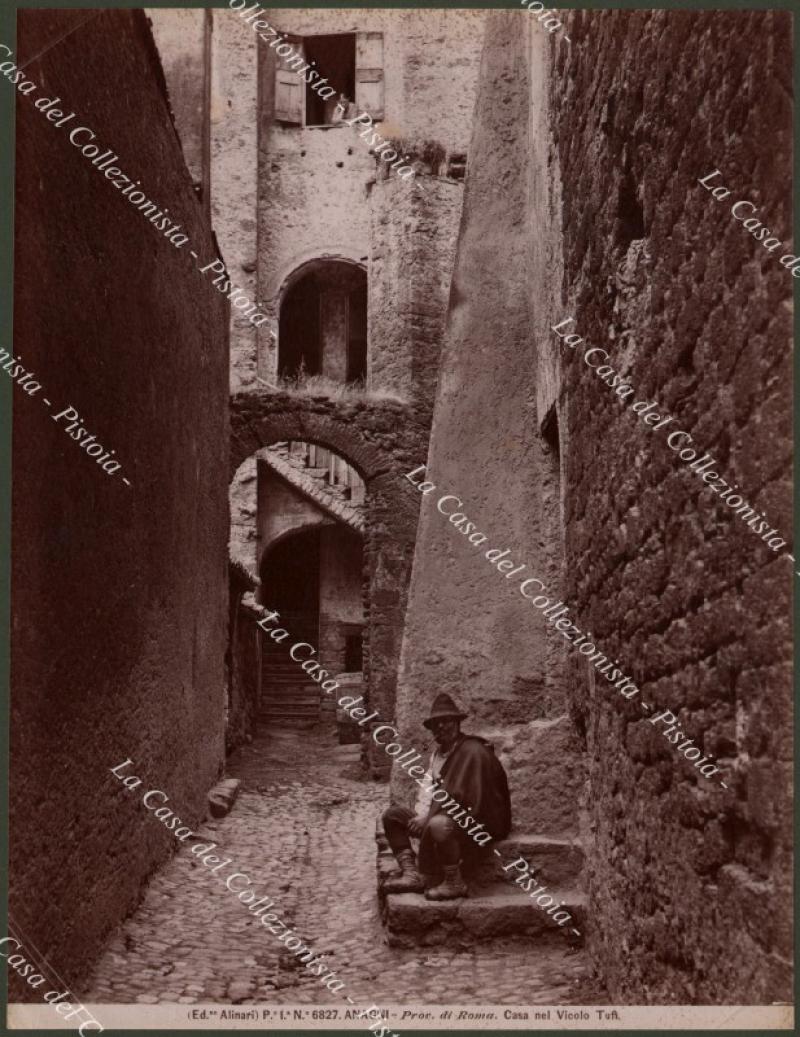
<point>303,384</point>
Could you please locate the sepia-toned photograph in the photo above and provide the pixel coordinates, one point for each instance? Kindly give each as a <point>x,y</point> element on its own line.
<point>399,409</point>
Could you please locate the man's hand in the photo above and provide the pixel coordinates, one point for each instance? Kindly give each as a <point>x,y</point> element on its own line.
<point>416,827</point>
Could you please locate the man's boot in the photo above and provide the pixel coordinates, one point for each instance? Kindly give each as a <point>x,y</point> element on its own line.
<point>451,887</point>
<point>410,881</point>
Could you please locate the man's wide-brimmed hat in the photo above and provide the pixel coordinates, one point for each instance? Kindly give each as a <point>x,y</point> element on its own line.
<point>443,706</point>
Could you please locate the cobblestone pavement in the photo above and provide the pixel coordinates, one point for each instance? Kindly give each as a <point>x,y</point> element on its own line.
<point>303,830</point>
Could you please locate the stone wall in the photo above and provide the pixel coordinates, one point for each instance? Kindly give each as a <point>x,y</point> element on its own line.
<point>284,195</point>
<point>118,591</point>
<point>243,661</point>
<point>414,233</point>
<point>234,172</point>
<point>243,500</point>
<point>469,630</point>
<point>282,510</point>
<point>218,127</point>
<point>341,593</point>
<point>691,880</point>
<point>601,143</point>
<point>179,35</point>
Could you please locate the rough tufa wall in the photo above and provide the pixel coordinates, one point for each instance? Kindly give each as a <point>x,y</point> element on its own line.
<point>689,880</point>
<point>118,592</point>
<point>689,884</point>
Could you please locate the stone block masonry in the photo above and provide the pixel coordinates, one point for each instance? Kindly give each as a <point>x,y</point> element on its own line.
<point>694,882</point>
<point>582,199</point>
<point>119,611</point>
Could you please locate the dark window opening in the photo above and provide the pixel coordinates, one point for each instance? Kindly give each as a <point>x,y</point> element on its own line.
<point>323,324</point>
<point>550,434</point>
<point>290,576</point>
<point>354,653</point>
<point>457,166</point>
<point>299,330</point>
<point>630,215</point>
<point>335,58</point>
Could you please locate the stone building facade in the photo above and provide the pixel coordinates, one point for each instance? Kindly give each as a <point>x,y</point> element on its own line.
<point>599,145</point>
<point>118,620</point>
<point>352,266</point>
<point>293,193</point>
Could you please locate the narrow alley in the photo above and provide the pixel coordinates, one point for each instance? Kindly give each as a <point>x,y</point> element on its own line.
<point>191,941</point>
<point>408,434</point>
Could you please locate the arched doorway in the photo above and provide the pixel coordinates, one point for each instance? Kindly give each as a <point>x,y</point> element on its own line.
<point>323,322</point>
<point>379,440</point>
<point>290,577</point>
<point>315,580</point>
<point>299,518</point>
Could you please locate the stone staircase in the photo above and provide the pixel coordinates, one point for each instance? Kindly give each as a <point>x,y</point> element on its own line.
<point>289,698</point>
<point>323,477</point>
<point>496,907</point>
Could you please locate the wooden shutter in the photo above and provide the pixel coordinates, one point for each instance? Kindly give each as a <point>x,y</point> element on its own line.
<point>369,73</point>
<point>290,88</point>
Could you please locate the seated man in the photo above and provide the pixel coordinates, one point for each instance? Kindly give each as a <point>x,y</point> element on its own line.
<point>466,768</point>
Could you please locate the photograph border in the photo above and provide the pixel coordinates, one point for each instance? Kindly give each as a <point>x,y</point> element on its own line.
<point>8,13</point>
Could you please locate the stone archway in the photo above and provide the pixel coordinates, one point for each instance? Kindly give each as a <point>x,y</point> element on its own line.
<point>382,440</point>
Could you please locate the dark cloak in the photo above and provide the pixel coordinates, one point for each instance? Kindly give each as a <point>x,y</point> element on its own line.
<point>474,777</point>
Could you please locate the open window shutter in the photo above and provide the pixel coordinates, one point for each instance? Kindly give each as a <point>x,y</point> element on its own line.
<point>290,88</point>
<point>369,73</point>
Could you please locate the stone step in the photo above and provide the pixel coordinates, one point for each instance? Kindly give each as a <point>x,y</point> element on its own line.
<point>281,672</point>
<point>278,695</point>
<point>287,694</point>
<point>290,702</point>
<point>290,711</point>
<point>555,861</point>
<point>494,911</point>
<point>289,708</point>
<point>299,626</point>
<point>353,749</point>
<point>302,697</point>
<point>290,692</point>
<point>278,649</point>
<point>290,680</point>
<point>283,669</point>
<point>284,701</point>
<point>312,717</point>
<point>297,723</point>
